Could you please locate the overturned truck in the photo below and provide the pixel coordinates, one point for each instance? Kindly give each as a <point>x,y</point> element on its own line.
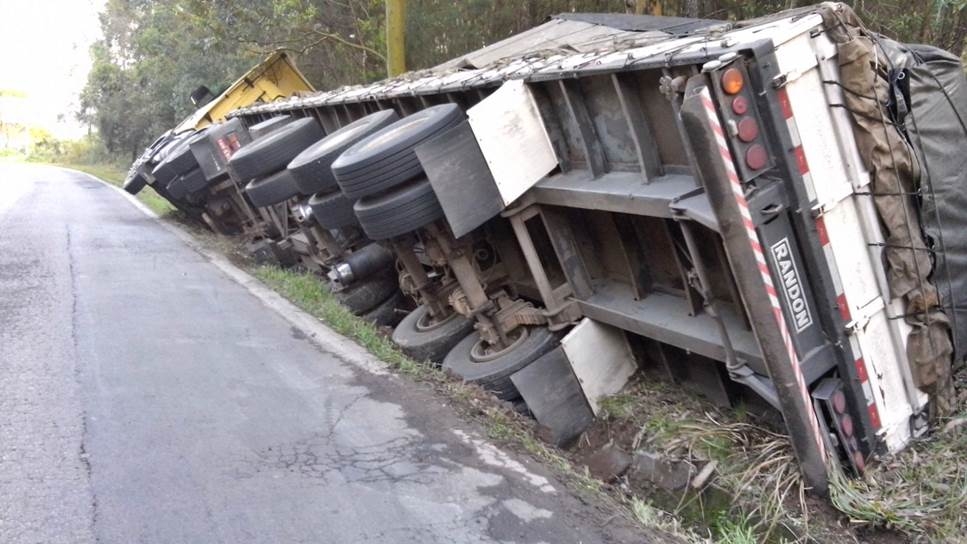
<point>770,208</point>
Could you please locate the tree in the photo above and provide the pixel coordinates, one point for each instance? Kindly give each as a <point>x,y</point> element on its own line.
<point>152,55</point>
<point>395,37</point>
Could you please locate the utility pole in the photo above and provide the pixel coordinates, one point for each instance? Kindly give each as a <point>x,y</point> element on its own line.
<point>395,37</point>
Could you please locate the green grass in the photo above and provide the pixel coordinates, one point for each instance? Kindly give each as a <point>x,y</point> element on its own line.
<point>921,492</point>
<point>617,406</point>
<point>115,175</point>
<point>651,516</point>
<point>731,531</point>
<point>309,293</point>
<point>755,479</point>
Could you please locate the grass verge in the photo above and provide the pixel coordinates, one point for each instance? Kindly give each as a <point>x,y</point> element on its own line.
<point>918,495</point>
<point>921,492</point>
<point>115,176</point>
<point>309,293</point>
<point>754,490</point>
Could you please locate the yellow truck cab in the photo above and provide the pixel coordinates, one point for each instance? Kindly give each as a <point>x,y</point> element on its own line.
<point>274,78</point>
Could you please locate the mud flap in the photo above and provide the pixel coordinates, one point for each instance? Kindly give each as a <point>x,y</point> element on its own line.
<point>554,396</point>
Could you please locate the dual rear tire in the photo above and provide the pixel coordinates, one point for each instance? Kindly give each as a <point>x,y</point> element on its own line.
<point>472,361</point>
<point>384,173</point>
<point>422,338</point>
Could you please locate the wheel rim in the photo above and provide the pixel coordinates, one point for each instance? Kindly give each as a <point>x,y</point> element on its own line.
<point>480,353</point>
<point>424,323</point>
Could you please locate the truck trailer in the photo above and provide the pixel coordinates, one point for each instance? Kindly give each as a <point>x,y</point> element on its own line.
<point>767,208</point>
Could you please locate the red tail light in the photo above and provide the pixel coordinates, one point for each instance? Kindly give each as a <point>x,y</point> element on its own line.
<point>832,407</point>
<point>734,91</point>
<point>756,157</point>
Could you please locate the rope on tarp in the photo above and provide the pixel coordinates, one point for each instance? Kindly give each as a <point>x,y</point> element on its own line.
<point>862,62</point>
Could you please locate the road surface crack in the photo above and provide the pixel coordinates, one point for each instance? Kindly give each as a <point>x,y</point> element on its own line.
<point>83,454</point>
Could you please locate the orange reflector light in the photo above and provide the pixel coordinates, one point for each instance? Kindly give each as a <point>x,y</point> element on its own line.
<point>732,81</point>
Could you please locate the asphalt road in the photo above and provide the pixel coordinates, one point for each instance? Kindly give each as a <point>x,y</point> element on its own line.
<point>146,396</point>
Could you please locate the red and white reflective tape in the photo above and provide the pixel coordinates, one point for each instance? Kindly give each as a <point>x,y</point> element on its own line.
<point>864,378</point>
<point>841,302</point>
<point>739,195</point>
<point>830,259</point>
<point>797,148</point>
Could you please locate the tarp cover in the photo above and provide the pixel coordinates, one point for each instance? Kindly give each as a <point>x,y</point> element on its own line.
<point>938,111</point>
<point>885,113</point>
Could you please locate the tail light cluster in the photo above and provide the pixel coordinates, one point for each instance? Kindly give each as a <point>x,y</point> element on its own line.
<point>228,145</point>
<point>730,80</point>
<point>832,407</point>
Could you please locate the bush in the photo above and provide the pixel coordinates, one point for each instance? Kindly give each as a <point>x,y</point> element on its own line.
<point>86,150</point>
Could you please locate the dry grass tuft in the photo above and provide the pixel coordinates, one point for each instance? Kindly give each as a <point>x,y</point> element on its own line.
<point>921,492</point>
<point>755,466</point>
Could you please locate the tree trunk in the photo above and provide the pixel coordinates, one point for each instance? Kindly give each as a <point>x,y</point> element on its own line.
<point>691,8</point>
<point>395,37</point>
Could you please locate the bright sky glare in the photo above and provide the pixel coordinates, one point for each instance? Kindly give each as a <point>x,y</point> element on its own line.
<point>44,53</point>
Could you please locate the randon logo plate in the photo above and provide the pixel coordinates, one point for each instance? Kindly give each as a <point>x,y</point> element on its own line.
<point>791,285</point>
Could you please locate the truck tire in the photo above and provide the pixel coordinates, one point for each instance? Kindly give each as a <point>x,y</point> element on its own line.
<point>386,158</point>
<point>163,172</point>
<point>273,152</point>
<point>493,372</point>
<point>258,130</point>
<point>196,181</point>
<point>422,340</point>
<point>332,210</point>
<point>363,296</point>
<point>176,190</point>
<point>185,184</point>
<point>312,169</point>
<point>179,160</point>
<point>402,210</point>
<point>135,183</point>
<point>386,314</point>
<point>272,189</point>
<point>159,156</point>
<point>181,205</point>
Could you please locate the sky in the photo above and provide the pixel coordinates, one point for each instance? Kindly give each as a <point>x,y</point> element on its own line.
<point>44,54</point>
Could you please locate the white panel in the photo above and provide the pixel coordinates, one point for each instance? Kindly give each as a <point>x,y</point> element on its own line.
<point>829,69</point>
<point>852,254</point>
<point>511,135</point>
<point>884,365</point>
<point>882,340</point>
<point>601,359</point>
<point>817,131</point>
